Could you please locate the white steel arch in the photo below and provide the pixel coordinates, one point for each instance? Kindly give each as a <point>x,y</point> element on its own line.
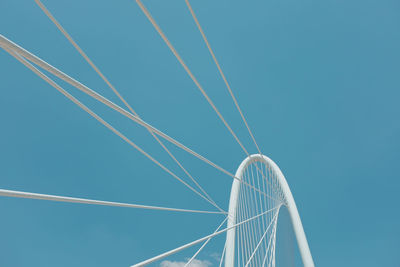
<point>288,201</point>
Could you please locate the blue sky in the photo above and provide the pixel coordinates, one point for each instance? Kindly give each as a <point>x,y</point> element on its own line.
<point>318,82</point>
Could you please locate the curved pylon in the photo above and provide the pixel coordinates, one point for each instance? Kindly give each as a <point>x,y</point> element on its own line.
<point>288,201</point>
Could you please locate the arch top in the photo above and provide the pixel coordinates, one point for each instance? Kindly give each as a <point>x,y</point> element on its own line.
<point>288,201</point>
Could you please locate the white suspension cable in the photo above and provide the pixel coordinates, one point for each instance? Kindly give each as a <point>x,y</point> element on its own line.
<point>20,194</point>
<point>4,42</point>
<point>10,46</point>
<point>222,256</point>
<point>96,69</point>
<point>275,189</point>
<point>265,202</point>
<point>248,207</point>
<point>269,243</point>
<point>204,244</point>
<point>262,238</point>
<point>221,72</point>
<point>260,202</point>
<point>271,260</point>
<point>274,247</point>
<point>171,47</point>
<point>252,241</point>
<point>94,115</point>
<point>265,177</point>
<point>241,229</point>
<point>255,206</point>
<point>173,251</point>
<point>249,185</point>
<point>253,230</point>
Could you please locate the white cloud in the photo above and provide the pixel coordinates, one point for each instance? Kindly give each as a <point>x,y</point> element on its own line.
<point>194,263</point>
<point>216,256</point>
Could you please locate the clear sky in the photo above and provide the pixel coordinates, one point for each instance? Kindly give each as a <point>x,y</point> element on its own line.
<point>318,82</point>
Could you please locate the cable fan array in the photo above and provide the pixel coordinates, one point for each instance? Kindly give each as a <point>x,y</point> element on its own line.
<point>255,241</point>
<point>260,197</point>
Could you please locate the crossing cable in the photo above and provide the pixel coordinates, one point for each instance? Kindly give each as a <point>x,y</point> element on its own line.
<point>173,251</point>
<point>224,79</point>
<point>20,194</point>
<point>94,115</point>
<point>260,199</point>
<point>4,42</point>
<point>272,260</point>
<point>249,244</point>
<point>271,175</point>
<point>96,69</point>
<point>188,71</point>
<point>255,205</point>
<point>269,243</point>
<point>247,209</point>
<point>265,187</point>
<point>164,37</point>
<point>204,244</point>
<point>262,238</point>
<point>221,73</point>
<point>11,46</point>
<point>242,241</point>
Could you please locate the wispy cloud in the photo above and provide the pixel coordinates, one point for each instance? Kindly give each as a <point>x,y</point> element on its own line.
<point>216,256</point>
<point>194,263</point>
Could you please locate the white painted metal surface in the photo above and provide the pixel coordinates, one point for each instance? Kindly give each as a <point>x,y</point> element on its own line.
<point>289,202</point>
